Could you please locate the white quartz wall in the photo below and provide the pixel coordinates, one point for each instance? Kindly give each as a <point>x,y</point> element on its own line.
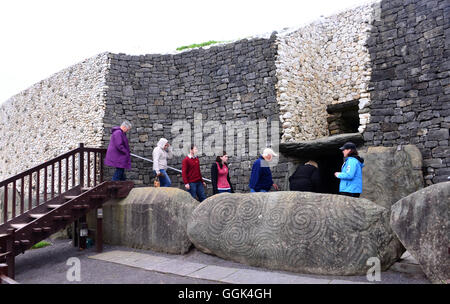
<point>323,63</point>
<point>53,116</point>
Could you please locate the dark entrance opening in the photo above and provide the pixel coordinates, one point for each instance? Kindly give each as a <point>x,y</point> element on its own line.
<point>328,164</point>
<point>343,117</point>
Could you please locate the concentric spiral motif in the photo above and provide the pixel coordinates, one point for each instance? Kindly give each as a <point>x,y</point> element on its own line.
<point>220,215</point>
<point>305,221</point>
<point>276,218</point>
<point>236,240</point>
<point>250,209</point>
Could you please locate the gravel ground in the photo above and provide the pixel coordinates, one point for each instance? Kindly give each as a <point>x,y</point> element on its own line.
<point>48,266</point>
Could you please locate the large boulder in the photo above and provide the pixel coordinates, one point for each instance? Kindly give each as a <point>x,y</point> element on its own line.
<point>391,173</point>
<point>422,223</point>
<point>149,218</point>
<point>295,231</point>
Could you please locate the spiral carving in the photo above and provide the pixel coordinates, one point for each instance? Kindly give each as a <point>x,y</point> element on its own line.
<point>305,221</point>
<point>220,215</point>
<point>305,232</point>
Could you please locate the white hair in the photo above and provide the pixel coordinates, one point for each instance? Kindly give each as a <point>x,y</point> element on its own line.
<point>268,151</point>
<point>126,124</point>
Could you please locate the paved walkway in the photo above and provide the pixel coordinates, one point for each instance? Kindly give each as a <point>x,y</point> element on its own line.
<point>120,265</point>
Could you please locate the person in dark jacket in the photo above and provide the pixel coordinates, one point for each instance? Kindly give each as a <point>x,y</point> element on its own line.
<point>118,152</point>
<point>220,175</point>
<point>261,176</point>
<point>306,178</point>
<point>351,176</point>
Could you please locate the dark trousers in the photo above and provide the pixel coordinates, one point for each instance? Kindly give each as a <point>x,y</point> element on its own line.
<point>197,190</point>
<point>119,175</point>
<point>350,194</point>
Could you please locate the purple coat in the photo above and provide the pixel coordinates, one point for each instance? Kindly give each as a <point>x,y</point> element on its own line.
<point>118,153</point>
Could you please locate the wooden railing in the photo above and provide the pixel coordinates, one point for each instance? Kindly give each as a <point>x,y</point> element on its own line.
<point>81,166</point>
<point>4,279</point>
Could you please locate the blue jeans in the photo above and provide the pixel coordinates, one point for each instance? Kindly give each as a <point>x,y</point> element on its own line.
<point>197,189</point>
<point>224,191</point>
<point>164,179</point>
<point>262,190</point>
<point>119,175</point>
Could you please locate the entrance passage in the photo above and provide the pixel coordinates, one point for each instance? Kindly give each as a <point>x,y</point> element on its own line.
<point>327,166</point>
<point>325,151</point>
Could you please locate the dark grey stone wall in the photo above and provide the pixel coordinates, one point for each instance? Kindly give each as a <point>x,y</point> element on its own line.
<point>234,82</point>
<point>410,81</point>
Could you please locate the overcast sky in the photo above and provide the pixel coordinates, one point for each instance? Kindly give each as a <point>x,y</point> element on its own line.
<point>42,37</point>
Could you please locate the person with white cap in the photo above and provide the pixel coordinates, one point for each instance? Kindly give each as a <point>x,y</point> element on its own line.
<point>161,153</point>
<point>261,177</point>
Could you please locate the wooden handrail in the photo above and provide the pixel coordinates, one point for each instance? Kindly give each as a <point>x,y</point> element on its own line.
<point>7,280</point>
<point>32,177</point>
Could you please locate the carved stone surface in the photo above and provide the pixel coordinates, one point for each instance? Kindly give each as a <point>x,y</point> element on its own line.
<point>422,223</point>
<point>390,174</point>
<point>295,231</point>
<point>150,218</point>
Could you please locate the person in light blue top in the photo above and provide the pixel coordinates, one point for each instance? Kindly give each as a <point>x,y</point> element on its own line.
<point>351,175</point>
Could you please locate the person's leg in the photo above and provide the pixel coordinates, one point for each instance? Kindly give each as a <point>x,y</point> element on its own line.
<point>201,192</point>
<point>193,190</point>
<point>164,179</point>
<point>252,190</point>
<point>118,174</point>
<point>224,191</point>
<point>123,177</point>
<point>350,194</point>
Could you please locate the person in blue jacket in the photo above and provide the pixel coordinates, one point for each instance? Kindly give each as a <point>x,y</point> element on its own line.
<point>351,175</point>
<point>261,177</point>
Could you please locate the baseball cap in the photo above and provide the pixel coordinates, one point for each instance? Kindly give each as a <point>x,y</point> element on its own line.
<point>348,145</point>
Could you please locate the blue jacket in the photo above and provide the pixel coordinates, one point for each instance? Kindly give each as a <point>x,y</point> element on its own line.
<point>261,177</point>
<point>351,175</point>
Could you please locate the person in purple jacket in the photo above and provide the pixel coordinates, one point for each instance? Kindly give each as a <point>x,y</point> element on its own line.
<point>118,153</point>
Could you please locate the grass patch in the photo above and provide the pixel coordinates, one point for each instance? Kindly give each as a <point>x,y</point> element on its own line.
<point>41,244</point>
<point>196,45</point>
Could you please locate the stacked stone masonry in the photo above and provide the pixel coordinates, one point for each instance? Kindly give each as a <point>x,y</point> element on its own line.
<point>391,57</point>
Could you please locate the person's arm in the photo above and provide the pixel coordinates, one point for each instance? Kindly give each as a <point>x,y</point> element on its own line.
<point>156,154</point>
<point>117,141</point>
<point>349,171</point>
<point>254,177</point>
<point>214,177</point>
<point>184,170</point>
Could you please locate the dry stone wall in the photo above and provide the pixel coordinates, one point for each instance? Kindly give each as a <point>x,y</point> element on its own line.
<point>53,116</point>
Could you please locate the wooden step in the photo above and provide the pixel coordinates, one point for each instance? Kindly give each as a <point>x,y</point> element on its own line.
<point>53,206</point>
<point>97,196</point>
<point>37,230</point>
<point>85,189</point>
<point>78,207</point>
<point>46,229</point>
<point>70,197</point>
<point>22,242</point>
<point>18,226</point>
<point>37,215</point>
<point>3,235</point>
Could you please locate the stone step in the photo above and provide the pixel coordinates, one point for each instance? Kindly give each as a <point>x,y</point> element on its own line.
<point>407,264</point>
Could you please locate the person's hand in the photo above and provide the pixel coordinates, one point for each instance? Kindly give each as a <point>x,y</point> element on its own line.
<point>276,187</point>
<point>187,186</point>
<point>204,184</point>
<point>158,174</point>
<point>336,174</point>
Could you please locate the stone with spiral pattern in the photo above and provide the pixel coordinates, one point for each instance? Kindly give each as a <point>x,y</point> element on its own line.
<point>295,231</point>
